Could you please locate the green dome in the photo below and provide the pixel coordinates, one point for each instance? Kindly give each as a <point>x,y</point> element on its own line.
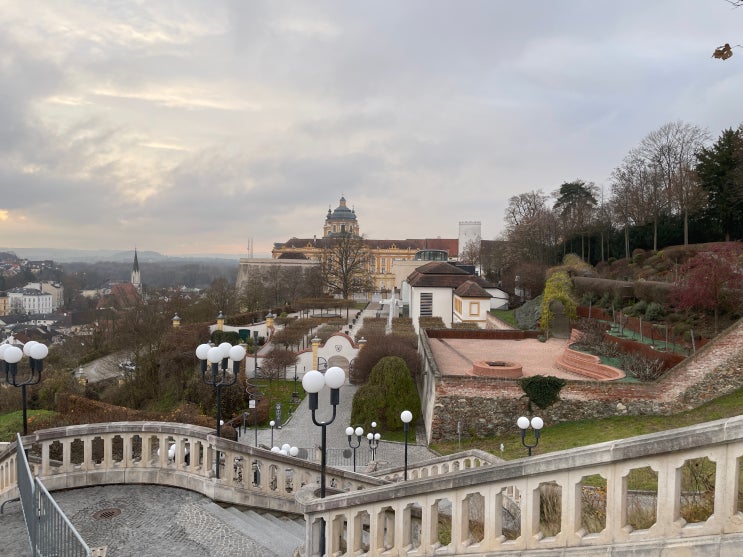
<point>342,212</point>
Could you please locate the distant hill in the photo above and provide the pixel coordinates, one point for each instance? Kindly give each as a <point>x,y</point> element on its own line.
<point>93,256</point>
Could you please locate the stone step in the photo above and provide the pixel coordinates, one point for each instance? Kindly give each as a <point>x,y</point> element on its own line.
<point>575,356</point>
<point>288,532</point>
<point>285,523</point>
<point>587,365</point>
<point>274,541</point>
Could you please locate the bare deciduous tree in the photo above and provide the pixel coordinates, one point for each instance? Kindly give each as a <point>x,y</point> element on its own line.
<point>345,265</point>
<point>470,252</point>
<point>672,151</point>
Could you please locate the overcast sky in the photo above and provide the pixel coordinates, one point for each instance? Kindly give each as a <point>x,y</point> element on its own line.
<point>193,126</point>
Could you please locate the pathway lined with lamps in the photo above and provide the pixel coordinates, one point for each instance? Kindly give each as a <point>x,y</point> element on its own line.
<point>299,431</point>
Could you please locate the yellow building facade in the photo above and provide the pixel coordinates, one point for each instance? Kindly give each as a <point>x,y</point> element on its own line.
<point>383,253</point>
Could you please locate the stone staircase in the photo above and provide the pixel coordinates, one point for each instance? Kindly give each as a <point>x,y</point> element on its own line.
<point>280,535</point>
<point>584,364</point>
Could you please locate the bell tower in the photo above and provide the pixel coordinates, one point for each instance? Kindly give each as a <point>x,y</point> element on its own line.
<point>136,280</point>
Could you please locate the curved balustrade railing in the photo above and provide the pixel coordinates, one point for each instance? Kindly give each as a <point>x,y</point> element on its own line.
<point>578,499</point>
<point>496,508</point>
<point>130,453</point>
<point>465,460</point>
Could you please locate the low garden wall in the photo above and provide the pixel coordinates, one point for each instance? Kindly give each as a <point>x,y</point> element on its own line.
<point>485,407</point>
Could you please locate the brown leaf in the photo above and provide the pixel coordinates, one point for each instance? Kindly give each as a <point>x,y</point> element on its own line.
<point>723,52</point>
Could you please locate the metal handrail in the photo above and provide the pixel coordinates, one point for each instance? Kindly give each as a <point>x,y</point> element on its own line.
<point>50,532</point>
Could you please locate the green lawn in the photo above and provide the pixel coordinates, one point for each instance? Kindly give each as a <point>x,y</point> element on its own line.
<point>505,315</point>
<point>13,422</point>
<point>586,432</point>
<point>279,391</point>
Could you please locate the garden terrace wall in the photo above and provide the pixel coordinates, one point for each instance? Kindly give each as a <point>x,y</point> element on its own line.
<point>488,406</point>
<point>650,329</point>
<point>669,359</point>
<point>483,334</point>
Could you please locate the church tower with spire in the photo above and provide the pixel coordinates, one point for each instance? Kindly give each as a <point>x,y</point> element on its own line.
<point>136,280</point>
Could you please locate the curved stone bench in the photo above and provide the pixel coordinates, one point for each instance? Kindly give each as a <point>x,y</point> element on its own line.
<point>587,365</point>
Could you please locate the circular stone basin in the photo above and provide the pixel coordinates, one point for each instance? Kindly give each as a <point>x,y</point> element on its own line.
<point>496,368</point>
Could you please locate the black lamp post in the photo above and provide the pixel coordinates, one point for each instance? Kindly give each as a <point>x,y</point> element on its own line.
<point>313,382</point>
<point>536,423</point>
<point>373,438</point>
<point>220,376</point>
<point>254,395</point>
<point>255,354</point>
<point>295,393</point>
<point>350,431</point>
<point>11,355</point>
<point>406,416</point>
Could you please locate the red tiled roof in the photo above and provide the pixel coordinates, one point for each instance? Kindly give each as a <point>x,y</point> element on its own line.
<point>450,245</point>
<point>123,295</point>
<point>440,274</point>
<point>470,289</point>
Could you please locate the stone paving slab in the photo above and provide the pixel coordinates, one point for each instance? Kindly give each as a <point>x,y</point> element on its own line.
<point>13,534</point>
<point>154,521</point>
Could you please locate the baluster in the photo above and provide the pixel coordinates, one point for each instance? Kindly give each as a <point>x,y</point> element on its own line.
<point>87,452</point>
<point>108,452</point>
<point>128,447</point>
<point>45,467</point>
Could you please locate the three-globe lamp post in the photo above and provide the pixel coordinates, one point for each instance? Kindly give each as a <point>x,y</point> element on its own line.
<point>11,355</point>
<point>373,437</point>
<point>313,382</point>
<point>219,376</point>
<point>350,432</point>
<point>536,424</point>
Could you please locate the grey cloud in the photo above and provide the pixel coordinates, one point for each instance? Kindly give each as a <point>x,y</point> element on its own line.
<point>275,109</point>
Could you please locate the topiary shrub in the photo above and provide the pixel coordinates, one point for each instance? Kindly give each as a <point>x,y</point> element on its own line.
<point>542,390</point>
<point>218,337</point>
<point>654,311</point>
<point>390,390</point>
<point>380,346</point>
<point>368,405</point>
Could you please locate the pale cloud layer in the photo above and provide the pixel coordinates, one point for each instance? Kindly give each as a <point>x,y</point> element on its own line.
<point>193,126</point>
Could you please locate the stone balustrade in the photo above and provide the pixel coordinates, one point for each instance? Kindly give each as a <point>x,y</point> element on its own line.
<point>130,453</point>
<point>670,493</point>
<point>464,460</point>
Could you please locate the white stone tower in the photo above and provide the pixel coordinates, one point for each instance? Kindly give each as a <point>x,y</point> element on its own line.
<point>136,280</point>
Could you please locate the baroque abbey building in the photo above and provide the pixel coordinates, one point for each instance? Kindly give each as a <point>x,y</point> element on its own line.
<point>382,253</point>
<point>307,252</point>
